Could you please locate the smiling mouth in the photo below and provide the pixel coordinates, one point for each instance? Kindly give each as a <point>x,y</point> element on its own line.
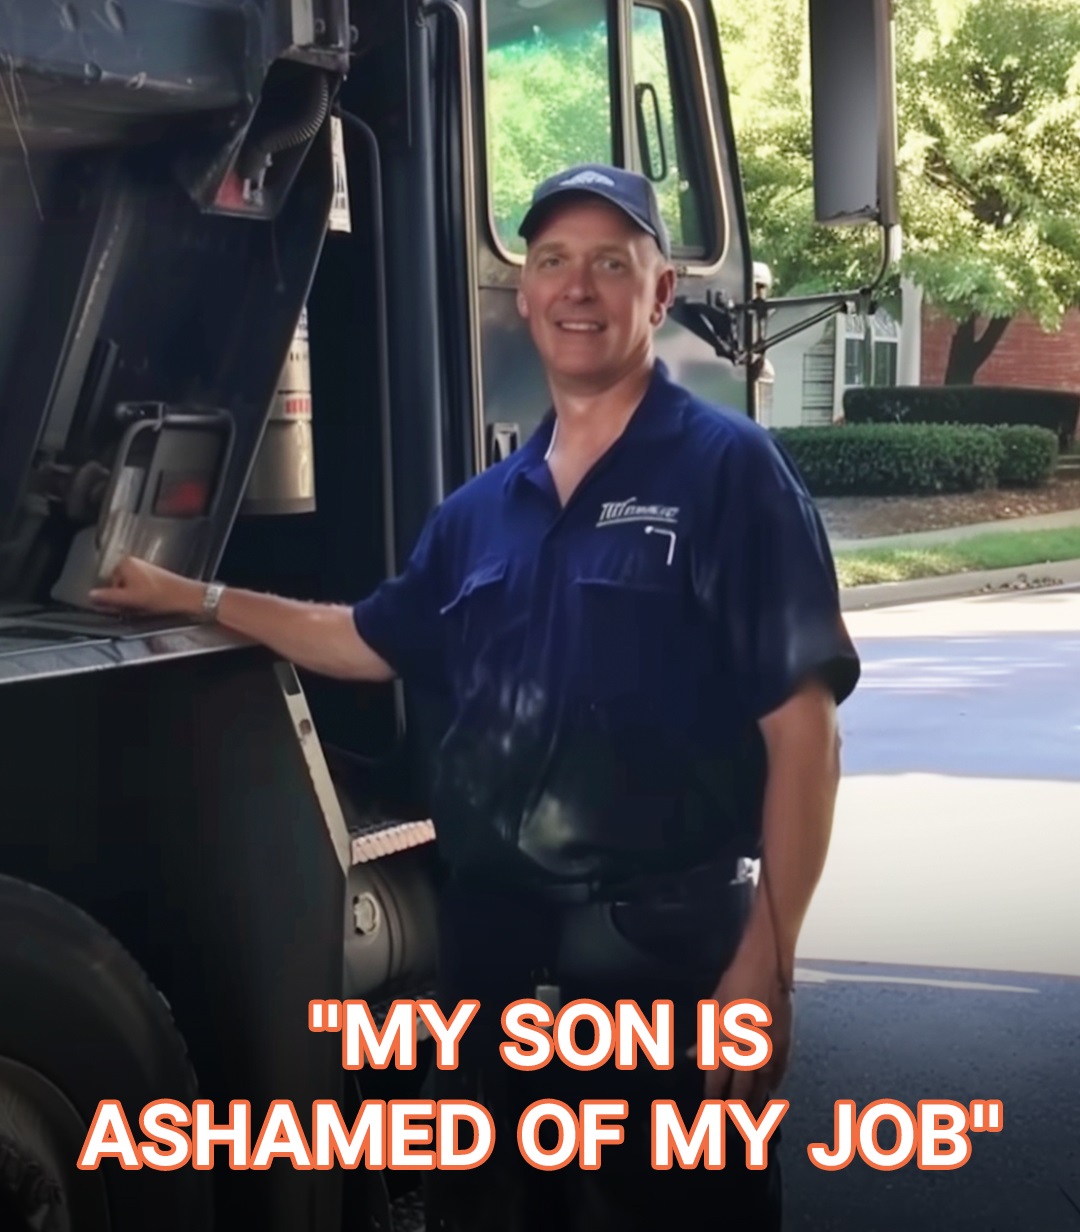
<point>579,327</point>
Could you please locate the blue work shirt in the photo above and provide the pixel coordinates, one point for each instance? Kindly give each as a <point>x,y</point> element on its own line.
<point>606,663</point>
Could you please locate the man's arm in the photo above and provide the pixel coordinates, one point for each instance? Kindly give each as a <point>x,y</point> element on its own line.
<point>803,748</point>
<point>802,745</point>
<point>318,637</point>
<point>778,608</point>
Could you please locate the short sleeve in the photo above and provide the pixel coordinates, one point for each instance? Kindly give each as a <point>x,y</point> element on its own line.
<point>399,620</point>
<point>781,597</point>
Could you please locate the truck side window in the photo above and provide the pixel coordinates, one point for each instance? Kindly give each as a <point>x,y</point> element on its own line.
<point>665,137</point>
<point>548,99</point>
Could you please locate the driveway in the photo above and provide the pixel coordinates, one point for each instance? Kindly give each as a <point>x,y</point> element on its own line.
<point>941,956</point>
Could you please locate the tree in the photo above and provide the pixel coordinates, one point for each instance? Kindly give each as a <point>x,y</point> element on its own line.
<point>989,122</point>
<point>765,47</point>
<point>994,136</point>
<point>549,107</point>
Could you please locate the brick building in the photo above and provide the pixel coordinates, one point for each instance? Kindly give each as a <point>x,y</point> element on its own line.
<point>1026,355</point>
<point>813,369</point>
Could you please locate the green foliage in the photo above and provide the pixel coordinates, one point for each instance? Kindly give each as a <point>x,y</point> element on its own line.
<point>991,114</point>
<point>894,459</point>
<point>998,550</point>
<point>550,106</point>
<point>1029,456</point>
<point>989,126</point>
<point>883,459</point>
<point>1052,409</point>
<point>678,205</point>
<point>765,47</point>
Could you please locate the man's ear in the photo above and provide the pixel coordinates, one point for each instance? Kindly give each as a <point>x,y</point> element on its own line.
<point>666,284</point>
<point>522,305</point>
<point>669,281</point>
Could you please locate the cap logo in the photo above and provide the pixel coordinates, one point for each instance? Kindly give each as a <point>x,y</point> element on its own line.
<point>587,177</point>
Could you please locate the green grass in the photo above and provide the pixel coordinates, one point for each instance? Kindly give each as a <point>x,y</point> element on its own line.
<point>1000,550</point>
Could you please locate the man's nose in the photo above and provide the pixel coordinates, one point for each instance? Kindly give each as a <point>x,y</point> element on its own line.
<point>579,284</point>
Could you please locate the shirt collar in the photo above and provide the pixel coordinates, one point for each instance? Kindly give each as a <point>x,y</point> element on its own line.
<point>659,416</point>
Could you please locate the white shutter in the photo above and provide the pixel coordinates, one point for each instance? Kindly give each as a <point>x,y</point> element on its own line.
<point>819,369</point>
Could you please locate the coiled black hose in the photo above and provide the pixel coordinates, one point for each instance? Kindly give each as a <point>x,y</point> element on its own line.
<point>255,160</point>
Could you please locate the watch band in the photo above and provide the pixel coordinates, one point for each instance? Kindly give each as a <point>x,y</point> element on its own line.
<point>212,600</point>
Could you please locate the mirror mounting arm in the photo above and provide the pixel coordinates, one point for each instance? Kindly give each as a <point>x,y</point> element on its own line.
<point>715,320</point>
<point>863,301</point>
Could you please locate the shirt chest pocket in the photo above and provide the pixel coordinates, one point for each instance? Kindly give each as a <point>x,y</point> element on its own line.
<point>476,615</point>
<point>631,635</point>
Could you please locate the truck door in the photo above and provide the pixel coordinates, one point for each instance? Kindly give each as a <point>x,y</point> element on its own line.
<point>546,83</point>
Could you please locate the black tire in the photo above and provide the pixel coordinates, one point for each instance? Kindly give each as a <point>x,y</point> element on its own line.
<point>79,1023</point>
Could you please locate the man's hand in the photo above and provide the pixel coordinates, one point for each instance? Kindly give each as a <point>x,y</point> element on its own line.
<point>317,636</point>
<point>137,586</point>
<point>743,981</point>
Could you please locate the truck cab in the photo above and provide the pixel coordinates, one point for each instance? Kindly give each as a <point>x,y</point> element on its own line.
<point>258,266</point>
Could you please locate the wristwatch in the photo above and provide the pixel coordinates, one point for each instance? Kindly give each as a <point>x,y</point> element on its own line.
<point>211,601</point>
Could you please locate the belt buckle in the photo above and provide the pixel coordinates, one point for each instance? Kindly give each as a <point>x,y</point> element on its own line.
<point>744,871</point>
<point>550,995</point>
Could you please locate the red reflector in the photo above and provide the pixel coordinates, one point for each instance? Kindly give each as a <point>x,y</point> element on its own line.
<point>182,497</point>
<point>297,406</point>
<point>231,193</point>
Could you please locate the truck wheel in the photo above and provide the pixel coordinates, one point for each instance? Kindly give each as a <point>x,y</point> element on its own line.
<point>81,1023</point>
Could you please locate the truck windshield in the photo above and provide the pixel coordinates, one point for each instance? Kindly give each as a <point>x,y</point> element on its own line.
<point>549,99</point>
<point>550,104</point>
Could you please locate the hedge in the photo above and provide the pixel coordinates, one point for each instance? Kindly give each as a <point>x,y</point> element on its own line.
<point>923,459</point>
<point>1029,456</point>
<point>1053,409</point>
<point>894,460</point>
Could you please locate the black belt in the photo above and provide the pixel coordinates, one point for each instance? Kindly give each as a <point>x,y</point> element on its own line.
<point>665,926</point>
<point>675,885</point>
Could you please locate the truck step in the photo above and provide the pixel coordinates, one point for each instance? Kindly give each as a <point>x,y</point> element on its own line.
<point>386,838</point>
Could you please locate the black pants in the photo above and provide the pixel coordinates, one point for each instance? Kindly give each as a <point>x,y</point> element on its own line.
<point>497,948</point>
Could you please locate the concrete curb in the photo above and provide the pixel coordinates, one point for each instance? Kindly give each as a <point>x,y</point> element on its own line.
<point>1039,578</point>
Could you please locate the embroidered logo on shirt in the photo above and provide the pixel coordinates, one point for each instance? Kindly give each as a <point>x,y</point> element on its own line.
<point>614,513</point>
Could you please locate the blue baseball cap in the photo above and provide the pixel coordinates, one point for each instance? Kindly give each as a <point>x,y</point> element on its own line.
<point>630,191</point>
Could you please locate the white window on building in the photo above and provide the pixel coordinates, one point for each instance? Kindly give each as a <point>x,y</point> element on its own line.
<point>838,361</point>
<point>884,341</point>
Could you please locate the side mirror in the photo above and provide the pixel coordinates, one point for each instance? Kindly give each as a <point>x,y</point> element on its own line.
<point>853,71</point>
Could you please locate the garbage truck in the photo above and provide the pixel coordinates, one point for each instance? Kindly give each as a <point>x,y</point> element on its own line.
<point>257,318</point>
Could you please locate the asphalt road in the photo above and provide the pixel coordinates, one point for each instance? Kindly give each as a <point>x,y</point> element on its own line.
<point>941,958</point>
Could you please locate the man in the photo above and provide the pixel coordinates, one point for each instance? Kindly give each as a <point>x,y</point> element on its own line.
<point>636,620</point>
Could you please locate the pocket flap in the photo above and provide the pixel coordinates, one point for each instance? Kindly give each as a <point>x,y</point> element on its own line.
<point>666,583</point>
<point>485,574</point>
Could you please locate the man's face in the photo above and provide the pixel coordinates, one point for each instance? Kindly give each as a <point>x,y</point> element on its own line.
<point>593,290</point>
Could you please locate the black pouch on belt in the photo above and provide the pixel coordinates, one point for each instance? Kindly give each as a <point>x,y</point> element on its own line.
<point>683,929</point>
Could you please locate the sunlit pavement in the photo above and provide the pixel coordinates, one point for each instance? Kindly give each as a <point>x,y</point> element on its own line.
<point>957,839</point>
<point>940,957</point>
